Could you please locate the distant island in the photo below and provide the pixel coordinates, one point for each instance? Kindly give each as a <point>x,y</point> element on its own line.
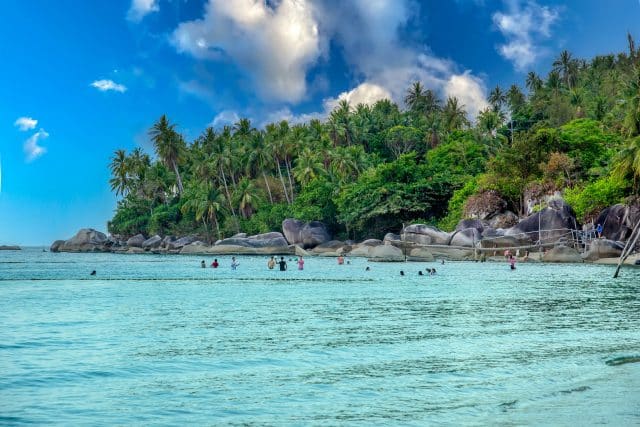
<point>568,141</point>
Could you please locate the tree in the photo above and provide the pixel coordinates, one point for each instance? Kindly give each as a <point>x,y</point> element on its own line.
<point>169,146</point>
<point>627,162</point>
<point>454,115</point>
<point>205,202</point>
<point>497,98</point>
<point>247,197</point>
<point>534,82</point>
<point>415,97</point>
<point>308,167</point>
<point>119,166</point>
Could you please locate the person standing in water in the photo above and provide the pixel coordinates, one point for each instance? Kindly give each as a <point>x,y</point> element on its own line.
<point>340,260</point>
<point>203,264</point>
<point>283,264</point>
<point>234,263</point>
<point>300,263</point>
<point>512,262</point>
<point>271,263</point>
<point>215,263</point>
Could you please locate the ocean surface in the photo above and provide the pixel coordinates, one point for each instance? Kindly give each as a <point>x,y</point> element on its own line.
<point>156,339</point>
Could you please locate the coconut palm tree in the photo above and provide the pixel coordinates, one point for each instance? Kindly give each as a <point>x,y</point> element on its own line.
<point>119,166</point>
<point>206,202</point>
<point>454,115</point>
<point>247,197</point>
<point>414,99</point>
<point>169,146</point>
<point>308,167</point>
<point>627,162</point>
<point>533,82</point>
<point>258,158</point>
<point>497,98</point>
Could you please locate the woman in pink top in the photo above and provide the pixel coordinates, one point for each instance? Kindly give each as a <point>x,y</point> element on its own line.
<point>300,263</point>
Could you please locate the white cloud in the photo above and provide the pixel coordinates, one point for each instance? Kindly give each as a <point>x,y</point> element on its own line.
<point>25,123</point>
<point>140,8</point>
<point>31,148</point>
<point>524,26</point>
<point>105,85</point>
<point>470,90</point>
<point>274,45</point>
<point>365,93</point>
<point>225,117</point>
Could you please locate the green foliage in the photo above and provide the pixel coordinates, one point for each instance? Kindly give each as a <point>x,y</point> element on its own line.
<point>163,218</point>
<point>456,205</point>
<point>132,217</point>
<point>592,198</point>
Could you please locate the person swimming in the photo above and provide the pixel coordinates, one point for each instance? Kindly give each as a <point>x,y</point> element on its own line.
<point>402,272</point>
<point>271,263</point>
<point>420,273</point>
<point>512,263</point>
<point>93,273</point>
<point>367,269</point>
<point>428,270</point>
<point>234,263</point>
<point>215,263</point>
<point>433,271</point>
<point>203,264</point>
<point>340,260</point>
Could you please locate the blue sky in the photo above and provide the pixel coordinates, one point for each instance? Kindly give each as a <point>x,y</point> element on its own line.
<point>81,79</point>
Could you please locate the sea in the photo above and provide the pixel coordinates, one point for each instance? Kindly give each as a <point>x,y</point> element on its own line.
<point>158,340</point>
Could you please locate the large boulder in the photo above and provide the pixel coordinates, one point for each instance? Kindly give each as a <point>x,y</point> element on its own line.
<point>85,240</point>
<point>468,237</point>
<point>330,246</point>
<point>55,246</point>
<point>603,248</point>
<point>503,220</point>
<point>562,254</point>
<point>361,250</point>
<point>265,240</point>
<point>391,238</point>
<point>464,224</point>
<point>425,235</point>
<point>166,241</point>
<point>305,234</point>
<point>386,253</point>
<point>152,242</point>
<point>484,205</point>
<point>420,254</point>
<point>618,221</point>
<point>136,241</point>
<point>371,242</point>
<point>556,221</point>
<point>181,242</point>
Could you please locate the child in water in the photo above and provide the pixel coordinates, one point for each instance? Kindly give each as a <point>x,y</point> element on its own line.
<point>300,263</point>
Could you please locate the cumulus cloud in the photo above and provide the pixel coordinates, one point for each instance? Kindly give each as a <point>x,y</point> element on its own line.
<point>31,148</point>
<point>524,25</point>
<point>106,85</point>
<point>470,90</point>
<point>225,117</point>
<point>365,93</point>
<point>25,123</point>
<point>140,8</point>
<point>274,45</point>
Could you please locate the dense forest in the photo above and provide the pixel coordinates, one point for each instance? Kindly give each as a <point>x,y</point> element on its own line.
<point>367,169</point>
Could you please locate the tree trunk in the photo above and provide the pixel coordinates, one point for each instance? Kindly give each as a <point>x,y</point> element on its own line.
<point>284,186</point>
<point>178,177</point>
<point>288,163</point>
<point>226,189</point>
<point>266,182</point>
<point>215,221</point>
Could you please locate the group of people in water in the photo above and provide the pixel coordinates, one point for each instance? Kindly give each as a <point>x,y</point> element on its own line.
<point>271,263</point>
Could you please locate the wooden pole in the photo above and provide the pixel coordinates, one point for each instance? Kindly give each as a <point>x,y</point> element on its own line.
<point>631,243</point>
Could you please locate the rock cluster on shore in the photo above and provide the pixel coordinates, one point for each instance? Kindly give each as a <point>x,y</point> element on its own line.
<point>550,235</point>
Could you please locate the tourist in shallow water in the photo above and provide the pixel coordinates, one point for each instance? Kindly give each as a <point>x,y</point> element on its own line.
<point>271,263</point>
<point>367,269</point>
<point>203,264</point>
<point>234,263</point>
<point>512,262</point>
<point>215,263</point>
<point>433,271</point>
<point>93,273</point>
<point>340,260</point>
<point>283,264</point>
<point>428,271</point>
<point>401,272</point>
<point>300,263</point>
<point>420,273</point>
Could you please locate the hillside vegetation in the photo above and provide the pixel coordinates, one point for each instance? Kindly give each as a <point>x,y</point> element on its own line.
<point>367,170</point>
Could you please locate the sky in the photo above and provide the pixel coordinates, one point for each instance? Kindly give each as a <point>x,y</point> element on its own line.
<point>81,79</point>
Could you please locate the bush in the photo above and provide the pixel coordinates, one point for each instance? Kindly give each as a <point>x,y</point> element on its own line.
<point>590,200</point>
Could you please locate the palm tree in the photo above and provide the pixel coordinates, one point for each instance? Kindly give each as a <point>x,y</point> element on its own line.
<point>247,197</point>
<point>632,102</point>
<point>489,121</point>
<point>274,139</point>
<point>169,146</point>
<point>567,67</point>
<point>119,166</point>
<point>553,82</point>
<point>432,103</point>
<point>218,144</point>
<point>205,201</point>
<point>414,98</point>
<point>534,82</point>
<point>340,123</point>
<point>308,167</point>
<point>497,98</point>
<point>259,159</point>
<point>454,114</point>
<point>627,162</point>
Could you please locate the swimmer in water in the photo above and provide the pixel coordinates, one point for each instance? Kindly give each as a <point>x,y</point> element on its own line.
<point>234,263</point>
<point>203,264</point>
<point>401,272</point>
<point>420,273</point>
<point>93,273</point>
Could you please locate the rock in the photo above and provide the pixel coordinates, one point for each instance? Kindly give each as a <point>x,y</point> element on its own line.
<point>421,255</point>
<point>503,220</point>
<point>196,247</point>
<point>135,250</point>
<point>181,242</point>
<point>308,235</point>
<point>554,221</point>
<point>370,242</point>
<point>484,205</point>
<point>166,241</point>
<point>425,235</point>
<point>301,252</point>
<point>152,242</point>
<point>136,241</point>
<point>464,224</point>
<point>469,237</point>
<point>239,236</point>
<point>391,237</point>
<point>452,254</point>
<point>603,248</point>
<point>55,246</point>
<point>562,254</point>
<point>330,246</point>
<point>266,240</point>
<point>386,253</point>
<point>85,240</point>
<point>361,250</point>
<point>9,248</point>
<point>618,221</point>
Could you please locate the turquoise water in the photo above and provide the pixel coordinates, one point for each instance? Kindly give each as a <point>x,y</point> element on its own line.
<point>158,340</point>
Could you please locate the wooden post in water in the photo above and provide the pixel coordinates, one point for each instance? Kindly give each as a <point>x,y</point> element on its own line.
<point>631,243</point>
